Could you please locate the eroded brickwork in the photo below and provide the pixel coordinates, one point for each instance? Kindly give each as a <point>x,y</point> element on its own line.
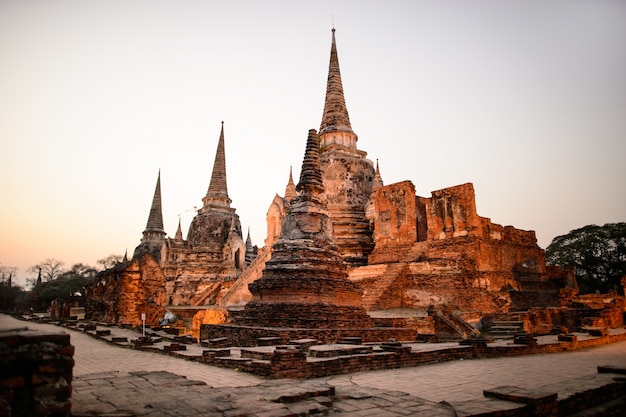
<point>440,252</point>
<point>305,284</point>
<point>36,373</point>
<point>122,294</point>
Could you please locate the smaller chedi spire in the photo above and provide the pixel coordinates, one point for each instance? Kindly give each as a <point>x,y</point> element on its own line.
<point>251,251</point>
<point>290,190</point>
<point>217,194</point>
<point>179,232</point>
<point>378,180</point>
<point>308,212</point>
<point>248,240</point>
<point>311,186</point>
<point>154,235</point>
<point>155,219</point>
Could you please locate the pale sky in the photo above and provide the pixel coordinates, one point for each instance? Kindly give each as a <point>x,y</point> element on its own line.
<point>525,99</point>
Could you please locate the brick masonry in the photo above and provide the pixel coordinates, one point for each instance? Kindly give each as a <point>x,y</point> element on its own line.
<point>35,373</point>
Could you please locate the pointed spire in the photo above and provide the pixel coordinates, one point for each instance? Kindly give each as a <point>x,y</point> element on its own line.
<point>125,258</point>
<point>217,194</point>
<point>248,240</point>
<point>155,219</point>
<point>251,251</point>
<point>179,232</point>
<point>290,190</point>
<point>378,180</point>
<point>310,184</point>
<point>335,127</point>
<point>10,281</point>
<point>154,235</point>
<point>39,277</point>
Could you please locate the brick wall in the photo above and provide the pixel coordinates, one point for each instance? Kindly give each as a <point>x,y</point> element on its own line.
<point>248,336</point>
<point>35,373</point>
<point>290,362</point>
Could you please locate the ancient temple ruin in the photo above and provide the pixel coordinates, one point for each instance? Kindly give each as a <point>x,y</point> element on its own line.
<point>214,254</point>
<point>411,254</point>
<point>304,290</point>
<point>305,283</point>
<point>347,173</point>
<point>407,260</point>
<point>176,272</point>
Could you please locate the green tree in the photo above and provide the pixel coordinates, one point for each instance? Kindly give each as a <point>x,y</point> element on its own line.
<point>11,296</point>
<point>68,284</point>
<point>598,253</point>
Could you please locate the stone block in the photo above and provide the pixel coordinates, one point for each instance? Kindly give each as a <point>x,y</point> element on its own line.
<point>216,353</point>
<point>351,340</point>
<point>609,369</point>
<point>269,341</point>
<point>521,395</point>
<point>218,342</point>
<point>567,338</point>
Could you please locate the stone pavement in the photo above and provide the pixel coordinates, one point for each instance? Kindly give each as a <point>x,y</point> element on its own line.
<point>113,381</point>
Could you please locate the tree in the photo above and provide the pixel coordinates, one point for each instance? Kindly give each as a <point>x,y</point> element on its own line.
<point>50,269</point>
<point>84,270</point>
<point>67,285</point>
<point>11,296</point>
<point>598,253</point>
<point>7,272</point>
<point>110,261</point>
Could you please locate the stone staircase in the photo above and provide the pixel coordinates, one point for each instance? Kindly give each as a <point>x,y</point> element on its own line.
<point>506,326</point>
<point>377,279</point>
<point>238,294</point>
<point>378,285</point>
<point>455,326</point>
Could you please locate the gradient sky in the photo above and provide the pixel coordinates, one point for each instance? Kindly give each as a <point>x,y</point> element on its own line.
<point>525,99</point>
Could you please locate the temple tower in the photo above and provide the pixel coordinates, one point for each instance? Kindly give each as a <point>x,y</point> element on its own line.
<point>305,283</point>
<point>347,174</point>
<point>214,254</point>
<point>154,235</point>
<point>216,209</point>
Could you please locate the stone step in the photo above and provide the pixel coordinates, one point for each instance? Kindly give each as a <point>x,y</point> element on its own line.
<point>507,323</point>
<point>507,328</point>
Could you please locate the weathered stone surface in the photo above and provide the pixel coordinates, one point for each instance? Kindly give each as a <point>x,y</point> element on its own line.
<point>176,272</point>
<point>439,252</point>
<point>121,294</point>
<point>201,268</point>
<point>154,235</point>
<point>213,316</point>
<point>36,373</point>
<point>305,284</point>
<point>347,174</point>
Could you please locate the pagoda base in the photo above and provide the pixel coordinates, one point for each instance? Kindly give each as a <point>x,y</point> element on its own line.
<point>247,336</point>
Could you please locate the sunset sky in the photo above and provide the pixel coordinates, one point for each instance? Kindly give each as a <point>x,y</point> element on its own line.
<point>525,99</point>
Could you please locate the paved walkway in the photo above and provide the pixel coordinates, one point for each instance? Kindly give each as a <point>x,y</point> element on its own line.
<point>124,382</point>
<point>466,379</point>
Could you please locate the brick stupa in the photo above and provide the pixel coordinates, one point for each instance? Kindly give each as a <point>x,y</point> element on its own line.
<point>305,283</point>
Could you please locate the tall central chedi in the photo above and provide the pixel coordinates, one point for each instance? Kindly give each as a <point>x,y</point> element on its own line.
<point>347,174</point>
<point>305,283</point>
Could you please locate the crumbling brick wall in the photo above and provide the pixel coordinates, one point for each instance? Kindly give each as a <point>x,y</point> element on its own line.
<point>35,373</point>
<point>120,295</point>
